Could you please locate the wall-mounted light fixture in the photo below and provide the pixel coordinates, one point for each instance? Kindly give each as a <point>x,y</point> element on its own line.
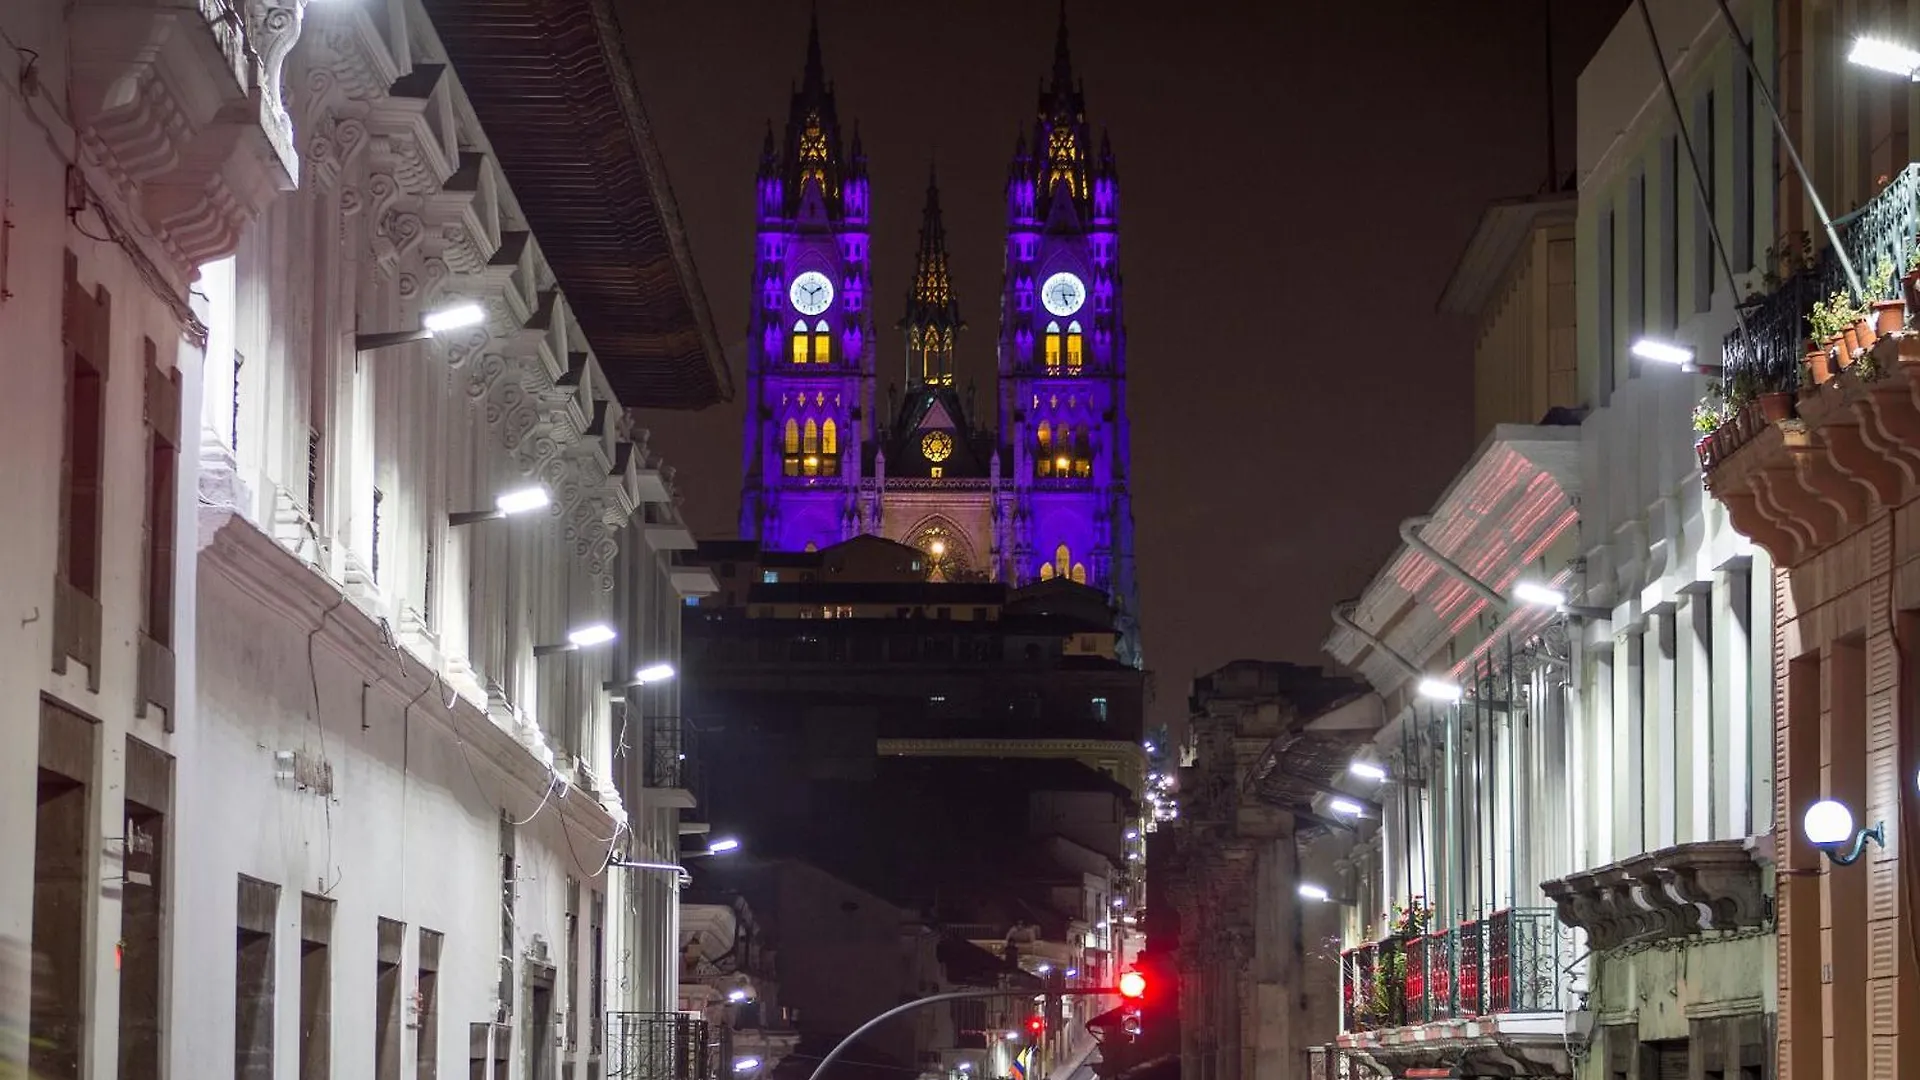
<point>1656,351</point>
<point>582,637</point>
<point>508,504</point>
<point>454,317</point>
<point>1538,595</point>
<point>647,674</point>
<point>1319,894</point>
<point>1828,825</point>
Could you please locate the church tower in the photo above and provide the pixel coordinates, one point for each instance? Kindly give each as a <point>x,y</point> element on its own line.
<point>810,344</point>
<point>1063,399</point>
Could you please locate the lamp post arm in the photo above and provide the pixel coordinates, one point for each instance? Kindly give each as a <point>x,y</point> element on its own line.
<point>952,995</point>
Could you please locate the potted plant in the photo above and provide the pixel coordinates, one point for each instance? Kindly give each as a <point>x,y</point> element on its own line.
<point>1910,284</point>
<point>1816,366</point>
<point>1835,323</point>
<point>1888,313</point>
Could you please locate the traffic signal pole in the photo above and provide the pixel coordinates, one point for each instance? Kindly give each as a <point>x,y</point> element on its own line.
<point>1052,993</point>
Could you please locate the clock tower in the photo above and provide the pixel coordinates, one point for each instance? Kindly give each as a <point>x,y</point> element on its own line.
<point>810,345</point>
<point>1063,369</point>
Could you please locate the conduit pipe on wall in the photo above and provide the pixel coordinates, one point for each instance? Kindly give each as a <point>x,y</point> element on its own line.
<point>1410,534</point>
<point>1341,619</point>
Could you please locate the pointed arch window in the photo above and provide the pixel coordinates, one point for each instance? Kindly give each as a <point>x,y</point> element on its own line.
<point>829,448</point>
<point>1062,561</point>
<point>1076,350</point>
<point>1043,461</point>
<point>1053,348</point>
<point>799,342</point>
<point>1082,455</point>
<point>1062,461</point>
<point>822,342</point>
<point>1079,573</point>
<point>810,446</point>
<point>790,448</point>
<point>1046,571</point>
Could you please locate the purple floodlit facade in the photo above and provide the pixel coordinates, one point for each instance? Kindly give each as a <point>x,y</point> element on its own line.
<point>1041,494</point>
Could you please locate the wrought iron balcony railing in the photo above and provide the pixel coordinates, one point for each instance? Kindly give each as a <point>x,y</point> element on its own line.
<point>660,1046</point>
<point>1883,231</point>
<point>1509,962</point>
<point>670,745</point>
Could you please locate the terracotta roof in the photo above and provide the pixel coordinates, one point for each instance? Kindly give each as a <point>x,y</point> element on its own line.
<point>550,83</point>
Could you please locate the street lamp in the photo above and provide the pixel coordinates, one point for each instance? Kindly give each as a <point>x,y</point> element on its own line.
<point>746,1064</point>
<point>454,317</point>
<point>649,673</point>
<point>1310,891</point>
<point>582,637</point>
<point>1440,690</point>
<point>1828,825</point>
<point>504,505</point>
<point>1666,352</point>
<point>1885,56</point>
<point>1534,593</point>
<point>718,847</point>
<point>1367,770</point>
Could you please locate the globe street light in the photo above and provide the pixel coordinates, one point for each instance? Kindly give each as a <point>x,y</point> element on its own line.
<point>1828,825</point>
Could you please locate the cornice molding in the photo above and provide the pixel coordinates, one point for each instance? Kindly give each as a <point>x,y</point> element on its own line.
<point>265,573</point>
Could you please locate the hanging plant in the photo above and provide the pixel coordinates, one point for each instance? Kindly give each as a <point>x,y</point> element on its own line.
<point>1711,411</point>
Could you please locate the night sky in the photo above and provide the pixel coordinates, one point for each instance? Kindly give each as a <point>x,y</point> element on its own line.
<point>1297,178</point>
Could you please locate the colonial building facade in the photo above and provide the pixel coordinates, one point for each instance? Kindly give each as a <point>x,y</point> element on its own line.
<point>831,453</point>
<point>1824,483</point>
<point>315,717</point>
<point>1569,874</point>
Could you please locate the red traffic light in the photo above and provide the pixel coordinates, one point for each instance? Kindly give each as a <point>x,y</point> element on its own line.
<point>1133,985</point>
<point>1036,1024</point>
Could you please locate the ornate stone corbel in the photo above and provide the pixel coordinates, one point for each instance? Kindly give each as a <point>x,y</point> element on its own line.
<point>274,28</point>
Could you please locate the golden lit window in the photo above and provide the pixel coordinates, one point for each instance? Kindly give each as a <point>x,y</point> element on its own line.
<point>936,472</point>
<point>813,151</point>
<point>1061,157</point>
<point>1079,574</point>
<point>1062,560</point>
<point>829,437</point>
<point>1046,571</point>
<point>793,436</point>
<point>822,342</point>
<point>1053,346</point>
<point>790,449</point>
<point>1075,353</point>
<point>937,445</point>
<point>800,342</point>
<point>810,442</point>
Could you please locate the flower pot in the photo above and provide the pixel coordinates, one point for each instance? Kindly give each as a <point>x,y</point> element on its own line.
<point>1864,335</point>
<point>1776,406</point>
<point>1849,344</point>
<point>1818,360</point>
<point>1704,451</point>
<point>1889,315</point>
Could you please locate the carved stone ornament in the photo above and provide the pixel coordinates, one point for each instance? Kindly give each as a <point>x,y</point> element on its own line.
<point>1672,893</point>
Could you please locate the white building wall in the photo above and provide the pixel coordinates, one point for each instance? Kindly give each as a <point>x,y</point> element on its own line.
<point>414,690</point>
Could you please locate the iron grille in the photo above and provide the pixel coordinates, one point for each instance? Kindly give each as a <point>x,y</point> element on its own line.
<point>1510,962</point>
<point>670,745</point>
<point>660,1046</point>
<point>1881,231</point>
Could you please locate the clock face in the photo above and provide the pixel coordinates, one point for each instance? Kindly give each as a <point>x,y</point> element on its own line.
<point>811,293</point>
<point>937,446</point>
<point>1063,294</point>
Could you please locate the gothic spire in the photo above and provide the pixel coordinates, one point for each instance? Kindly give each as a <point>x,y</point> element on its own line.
<point>1062,61</point>
<point>811,150</point>
<point>933,314</point>
<point>814,82</point>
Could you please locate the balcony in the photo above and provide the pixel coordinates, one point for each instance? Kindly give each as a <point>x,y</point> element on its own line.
<point>1689,889</point>
<point>670,761</point>
<point>179,102</point>
<point>1824,432</point>
<point>1488,997</point>
<point>660,1046</point>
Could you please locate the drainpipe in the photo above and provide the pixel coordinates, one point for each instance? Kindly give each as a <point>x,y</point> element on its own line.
<point>1410,533</point>
<point>1341,620</point>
